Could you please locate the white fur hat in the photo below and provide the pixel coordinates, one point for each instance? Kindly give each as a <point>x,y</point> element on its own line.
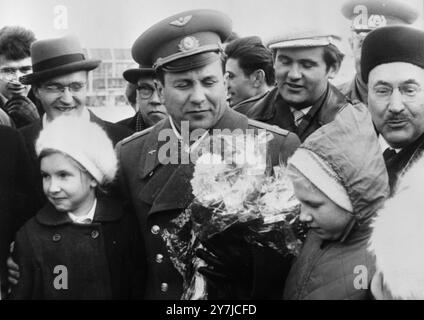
<point>397,238</point>
<point>85,142</point>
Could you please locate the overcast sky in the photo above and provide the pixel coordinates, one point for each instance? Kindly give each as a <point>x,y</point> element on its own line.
<point>117,23</point>
<point>113,23</point>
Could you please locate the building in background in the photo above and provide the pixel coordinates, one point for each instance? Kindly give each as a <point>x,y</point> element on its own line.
<point>106,84</point>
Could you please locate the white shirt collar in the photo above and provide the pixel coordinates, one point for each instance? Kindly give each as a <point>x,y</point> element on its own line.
<point>384,144</point>
<point>179,137</point>
<point>88,217</point>
<point>85,114</point>
<point>304,110</point>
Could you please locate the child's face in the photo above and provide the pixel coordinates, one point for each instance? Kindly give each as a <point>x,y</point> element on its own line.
<point>67,187</point>
<point>319,212</point>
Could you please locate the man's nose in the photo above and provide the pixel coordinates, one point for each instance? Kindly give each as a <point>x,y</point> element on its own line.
<point>66,96</point>
<point>294,72</point>
<point>154,99</point>
<point>198,94</point>
<point>396,102</point>
<point>305,216</point>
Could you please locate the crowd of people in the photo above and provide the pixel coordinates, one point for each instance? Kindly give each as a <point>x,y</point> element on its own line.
<point>85,204</point>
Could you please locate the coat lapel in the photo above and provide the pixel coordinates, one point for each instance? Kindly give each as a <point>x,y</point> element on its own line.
<point>168,186</point>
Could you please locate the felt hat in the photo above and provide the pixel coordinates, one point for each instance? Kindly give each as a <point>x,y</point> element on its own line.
<point>56,57</point>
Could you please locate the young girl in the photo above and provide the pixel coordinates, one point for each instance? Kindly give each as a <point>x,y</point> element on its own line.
<point>80,245</point>
<point>341,181</point>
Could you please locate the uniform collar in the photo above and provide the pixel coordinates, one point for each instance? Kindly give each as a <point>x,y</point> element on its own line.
<point>149,155</point>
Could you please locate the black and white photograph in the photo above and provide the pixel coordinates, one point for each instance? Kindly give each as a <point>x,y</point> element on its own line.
<point>232,151</point>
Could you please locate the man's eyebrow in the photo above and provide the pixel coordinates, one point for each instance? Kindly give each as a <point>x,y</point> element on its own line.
<point>382,83</point>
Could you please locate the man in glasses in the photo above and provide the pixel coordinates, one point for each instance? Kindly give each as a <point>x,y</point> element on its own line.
<point>367,15</point>
<point>148,108</point>
<point>59,81</point>
<point>392,64</point>
<point>15,62</point>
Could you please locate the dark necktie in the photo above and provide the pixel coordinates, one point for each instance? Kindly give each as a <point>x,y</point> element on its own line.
<point>388,154</point>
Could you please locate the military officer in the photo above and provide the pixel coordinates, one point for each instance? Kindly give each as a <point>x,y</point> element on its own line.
<point>186,51</point>
<point>304,99</point>
<point>367,15</point>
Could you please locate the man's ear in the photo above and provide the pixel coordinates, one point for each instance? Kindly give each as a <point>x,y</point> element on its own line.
<point>93,183</point>
<point>257,78</point>
<point>333,70</point>
<point>159,88</point>
<point>36,92</point>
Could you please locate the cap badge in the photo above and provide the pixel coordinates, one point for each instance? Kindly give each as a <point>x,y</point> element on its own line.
<point>181,22</point>
<point>377,21</point>
<point>188,43</point>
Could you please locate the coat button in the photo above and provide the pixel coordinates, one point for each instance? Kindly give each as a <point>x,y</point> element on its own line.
<point>159,258</point>
<point>164,287</point>
<point>94,234</point>
<point>56,237</point>
<point>155,229</point>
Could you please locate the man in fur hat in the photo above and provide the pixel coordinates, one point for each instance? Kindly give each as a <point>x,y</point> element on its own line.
<point>392,64</point>
<point>368,15</point>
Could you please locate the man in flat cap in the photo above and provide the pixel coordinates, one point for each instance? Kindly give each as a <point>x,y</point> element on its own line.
<point>303,99</point>
<point>186,51</point>
<point>392,64</point>
<point>149,110</point>
<point>368,15</point>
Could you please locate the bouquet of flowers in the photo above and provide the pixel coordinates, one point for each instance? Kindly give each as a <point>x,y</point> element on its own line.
<point>232,184</point>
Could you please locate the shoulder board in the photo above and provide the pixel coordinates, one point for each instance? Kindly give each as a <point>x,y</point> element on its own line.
<point>137,135</point>
<point>269,127</point>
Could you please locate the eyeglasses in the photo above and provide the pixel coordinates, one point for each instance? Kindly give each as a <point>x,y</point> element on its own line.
<point>145,91</point>
<point>408,91</point>
<point>10,73</point>
<point>60,88</point>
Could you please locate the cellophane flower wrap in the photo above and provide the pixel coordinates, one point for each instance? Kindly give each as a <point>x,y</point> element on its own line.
<point>232,184</point>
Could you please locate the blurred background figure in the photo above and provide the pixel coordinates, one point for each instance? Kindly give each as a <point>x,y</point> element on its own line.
<point>250,71</point>
<point>15,61</point>
<point>148,108</point>
<point>367,15</point>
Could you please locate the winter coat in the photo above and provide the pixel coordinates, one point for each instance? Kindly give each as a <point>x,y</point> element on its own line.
<point>16,191</point>
<point>343,269</point>
<point>355,90</point>
<point>158,193</point>
<point>272,109</point>
<point>396,165</point>
<point>396,239</point>
<point>103,259</point>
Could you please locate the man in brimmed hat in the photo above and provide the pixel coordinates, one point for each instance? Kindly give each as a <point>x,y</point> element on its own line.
<point>303,99</point>
<point>392,64</point>
<point>59,81</point>
<point>368,15</point>
<point>149,110</point>
<point>186,51</point>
